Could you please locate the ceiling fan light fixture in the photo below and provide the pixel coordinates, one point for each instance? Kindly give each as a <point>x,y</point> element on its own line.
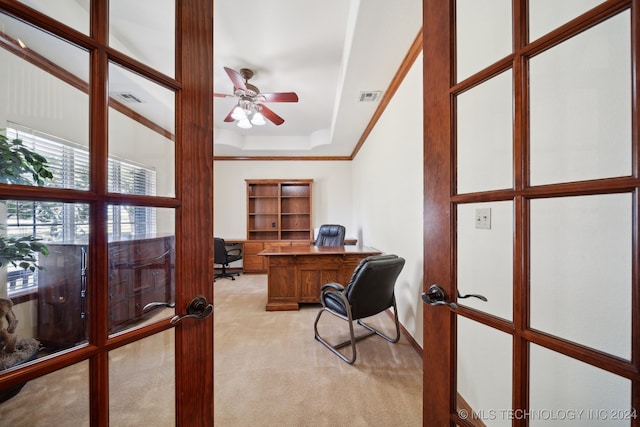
<point>238,113</point>
<point>258,119</point>
<point>244,123</point>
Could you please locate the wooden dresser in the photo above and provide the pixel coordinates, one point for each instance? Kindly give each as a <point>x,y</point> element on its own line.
<point>140,271</point>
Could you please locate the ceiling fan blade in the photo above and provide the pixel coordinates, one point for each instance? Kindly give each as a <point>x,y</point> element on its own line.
<point>236,78</point>
<point>271,116</point>
<point>280,97</point>
<point>222,95</point>
<point>229,118</point>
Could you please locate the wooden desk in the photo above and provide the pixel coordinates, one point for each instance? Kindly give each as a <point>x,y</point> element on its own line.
<point>296,273</point>
<point>252,263</point>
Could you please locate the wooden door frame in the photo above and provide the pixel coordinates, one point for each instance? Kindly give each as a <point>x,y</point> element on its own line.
<point>194,173</point>
<point>437,321</point>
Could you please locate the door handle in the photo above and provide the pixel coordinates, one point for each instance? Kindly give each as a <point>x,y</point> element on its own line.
<point>198,308</point>
<point>481,297</point>
<point>153,305</point>
<point>436,296</point>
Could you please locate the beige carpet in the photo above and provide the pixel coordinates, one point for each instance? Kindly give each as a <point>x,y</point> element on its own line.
<point>270,371</point>
<point>141,392</point>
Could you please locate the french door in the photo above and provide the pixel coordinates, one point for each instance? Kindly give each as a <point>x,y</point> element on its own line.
<point>115,96</point>
<point>532,313</point>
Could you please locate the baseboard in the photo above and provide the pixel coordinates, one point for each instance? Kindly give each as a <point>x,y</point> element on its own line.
<point>407,335</point>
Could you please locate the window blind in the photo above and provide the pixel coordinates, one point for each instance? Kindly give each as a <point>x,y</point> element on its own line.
<point>56,221</point>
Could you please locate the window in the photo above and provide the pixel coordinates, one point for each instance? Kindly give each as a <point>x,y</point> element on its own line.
<point>48,222</point>
<point>69,162</point>
<point>67,222</point>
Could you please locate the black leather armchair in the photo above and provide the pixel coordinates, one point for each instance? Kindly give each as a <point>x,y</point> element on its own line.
<point>223,257</point>
<point>330,235</point>
<point>369,292</point>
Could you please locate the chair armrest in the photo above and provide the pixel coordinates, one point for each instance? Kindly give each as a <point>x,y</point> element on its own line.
<point>237,250</point>
<point>333,285</point>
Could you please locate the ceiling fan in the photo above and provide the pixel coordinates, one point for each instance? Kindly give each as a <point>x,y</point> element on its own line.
<point>250,109</point>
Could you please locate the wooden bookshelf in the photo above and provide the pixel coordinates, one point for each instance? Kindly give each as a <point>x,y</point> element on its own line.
<point>277,210</point>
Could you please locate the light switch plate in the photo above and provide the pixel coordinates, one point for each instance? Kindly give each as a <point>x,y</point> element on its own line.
<point>483,218</point>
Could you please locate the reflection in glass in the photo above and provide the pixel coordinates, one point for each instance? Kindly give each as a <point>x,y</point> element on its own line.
<point>584,297</point>
<point>559,383</point>
<point>74,13</point>
<point>580,106</point>
<point>44,109</point>
<point>142,379</point>
<point>43,250</point>
<point>485,257</point>
<point>59,398</point>
<point>483,34</point>
<point>141,265</point>
<point>484,361</point>
<point>485,136</point>
<point>52,162</point>
<point>156,19</point>
<point>547,15</point>
<point>141,134</point>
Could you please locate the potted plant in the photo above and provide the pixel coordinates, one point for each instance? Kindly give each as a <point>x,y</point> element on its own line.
<point>17,162</point>
<point>20,165</point>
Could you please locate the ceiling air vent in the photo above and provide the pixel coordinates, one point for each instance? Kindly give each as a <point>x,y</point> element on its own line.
<point>370,96</point>
<point>127,97</point>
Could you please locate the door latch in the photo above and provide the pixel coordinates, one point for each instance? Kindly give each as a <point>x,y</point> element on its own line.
<point>436,296</point>
<point>198,308</point>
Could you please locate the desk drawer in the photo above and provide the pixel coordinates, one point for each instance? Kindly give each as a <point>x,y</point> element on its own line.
<point>251,261</point>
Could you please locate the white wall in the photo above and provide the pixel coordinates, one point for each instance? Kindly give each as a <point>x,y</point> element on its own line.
<point>331,191</point>
<point>388,193</point>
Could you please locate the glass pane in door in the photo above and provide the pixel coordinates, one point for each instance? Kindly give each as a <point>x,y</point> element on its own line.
<point>483,34</point>
<point>59,398</point>
<point>44,112</point>
<point>567,392</point>
<point>484,136</point>
<point>581,270</point>
<point>141,266</point>
<point>43,249</point>
<point>485,256</point>
<point>141,135</point>
<point>547,15</point>
<point>484,360</point>
<point>142,381</point>
<point>580,106</point>
<point>74,13</point>
<point>145,31</point>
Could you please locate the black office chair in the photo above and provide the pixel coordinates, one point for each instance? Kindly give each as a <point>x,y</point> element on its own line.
<point>330,235</point>
<point>223,257</point>
<point>369,292</point>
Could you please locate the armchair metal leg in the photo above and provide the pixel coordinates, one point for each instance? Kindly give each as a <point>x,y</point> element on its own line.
<point>380,334</point>
<point>353,339</point>
<point>334,348</point>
